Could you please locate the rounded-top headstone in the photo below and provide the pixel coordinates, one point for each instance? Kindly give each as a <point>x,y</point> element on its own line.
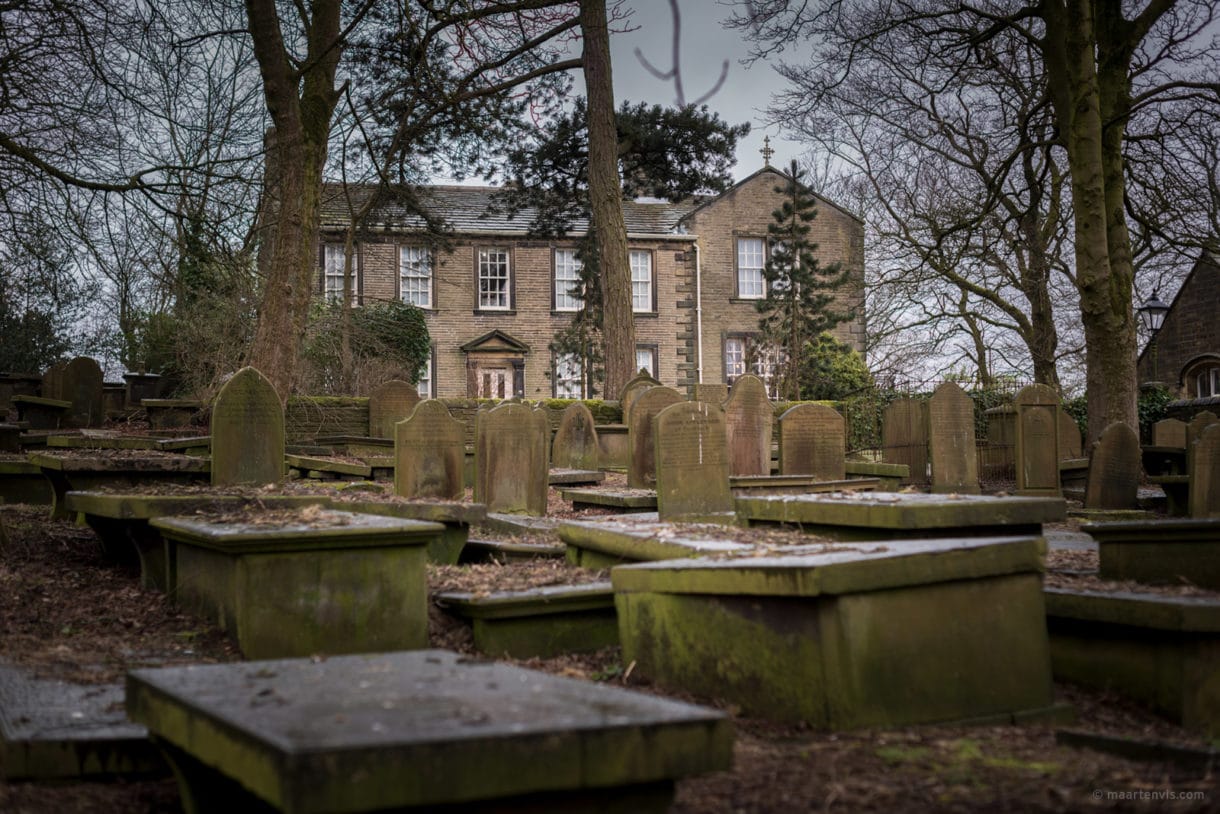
<point>1037,450</point>
<point>812,441</point>
<point>951,447</point>
<point>749,417</point>
<point>390,403</point>
<point>1205,474</point>
<point>692,462</point>
<point>80,382</point>
<point>642,468</point>
<point>429,453</point>
<point>1114,469</point>
<point>632,390</point>
<point>575,445</point>
<point>247,431</point>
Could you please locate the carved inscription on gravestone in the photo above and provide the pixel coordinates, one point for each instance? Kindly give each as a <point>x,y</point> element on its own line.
<point>749,417</point>
<point>692,461</point>
<point>951,447</point>
<point>81,384</point>
<point>428,453</point>
<point>1037,440</point>
<point>247,431</point>
<point>1169,432</point>
<point>812,442</point>
<point>1205,474</point>
<point>642,468</point>
<point>1114,469</point>
<point>511,452</point>
<point>904,437</point>
<point>390,403</point>
<point>575,445</point>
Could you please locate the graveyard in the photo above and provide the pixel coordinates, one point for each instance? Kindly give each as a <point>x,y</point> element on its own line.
<point>719,609</point>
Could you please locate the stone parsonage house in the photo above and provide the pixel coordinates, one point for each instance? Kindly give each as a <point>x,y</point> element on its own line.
<point>494,299</point>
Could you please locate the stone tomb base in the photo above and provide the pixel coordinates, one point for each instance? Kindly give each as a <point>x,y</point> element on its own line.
<point>1163,651</point>
<point>542,622</point>
<point>335,583</point>
<point>865,635</point>
<point>422,731</point>
<point>1160,551</point>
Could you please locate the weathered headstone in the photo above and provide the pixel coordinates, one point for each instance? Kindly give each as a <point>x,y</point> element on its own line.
<point>1114,469</point>
<point>80,382</point>
<point>951,446</point>
<point>1205,474</point>
<point>716,393</point>
<point>575,445</point>
<point>633,390</point>
<point>53,382</point>
<point>692,462</point>
<point>388,404</point>
<point>247,431</point>
<point>812,442</point>
<point>1194,431</point>
<point>642,468</point>
<point>904,437</point>
<point>1169,432</point>
<point>999,455</point>
<point>1037,441</point>
<point>429,451</point>
<point>1070,445</point>
<point>749,417</point>
<point>511,451</point>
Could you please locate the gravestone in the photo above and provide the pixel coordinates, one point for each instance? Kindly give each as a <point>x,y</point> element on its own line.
<point>692,462</point>
<point>575,445</point>
<point>389,404</point>
<point>1169,432</point>
<point>510,462</point>
<point>951,446</point>
<point>749,417</point>
<point>80,382</point>
<point>812,442</point>
<point>247,431</point>
<point>632,390</point>
<point>711,393</point>
<point>1205,474</point>
<point>1037,441</point>
<point>1070,445</point>
<point>53,382</point>
<point>904,437</point>
<point>429,451</point>
<point>642,468</point>
<point>1114,469</point>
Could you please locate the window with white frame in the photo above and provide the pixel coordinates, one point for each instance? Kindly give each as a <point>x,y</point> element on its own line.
<point>333,272</point>
<point>1207,383</point>
<point>751,258</point>
<point>424,385</point>
<point>734,358</point>
<point>569,376</point>
<point>641,280</point>
<point>415,275</point>
<point>743,354</point>
<point>646,359</point>
<point>495,284</point>
<point>567,280</point>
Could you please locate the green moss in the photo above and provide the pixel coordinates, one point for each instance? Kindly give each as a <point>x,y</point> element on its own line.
<point>895,755</point>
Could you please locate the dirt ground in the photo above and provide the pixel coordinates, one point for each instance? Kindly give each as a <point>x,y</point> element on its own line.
<point>67,613</point>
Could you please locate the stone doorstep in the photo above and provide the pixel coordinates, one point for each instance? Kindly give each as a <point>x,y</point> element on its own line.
<point>55,730</point>
<point>904,512</point>
<point>627,499</point>
<point>328,465</point>
<point>807,571</point>
<point>481,551</point>
<point>349,734</point>
<point>568,477</point>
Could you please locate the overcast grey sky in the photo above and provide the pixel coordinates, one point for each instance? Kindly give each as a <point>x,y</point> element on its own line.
<point>705,44</point>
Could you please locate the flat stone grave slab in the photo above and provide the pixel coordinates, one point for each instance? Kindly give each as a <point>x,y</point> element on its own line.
<point>54,730</point>
<point>357,445</point>
<point>1175,551</point>
<point>1163,651</point>
<point>92,441</point>
<point>306,582</point>
<point>118,469</point>
<point>540,622</point>
<point>121,521</point>
<point>417,732</point>
<point>41,413</point>
<point>166,413</point>
<point>322,468</point>
<point>505,551</point>
<point>23,482</point>
<point>891,475</point>
<point>505,523</point>
<point>1177,493</point>
<point>642,538</point>
<point>455,516</point>
<point>796,484</point>
<point>1158,460</point>
<point>573,477</point>
<point>850,635</point>
<point>625,500</point>
<point>863,515</point>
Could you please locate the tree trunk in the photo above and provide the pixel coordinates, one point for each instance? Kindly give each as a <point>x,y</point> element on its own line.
<point>302,128</point>
<point>606,200</point>
<point>1104,272</point>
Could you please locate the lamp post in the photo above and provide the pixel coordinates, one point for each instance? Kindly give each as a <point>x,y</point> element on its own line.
<point>1152,317</point>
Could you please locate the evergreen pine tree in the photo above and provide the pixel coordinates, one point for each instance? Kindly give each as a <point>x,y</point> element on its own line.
<point>800,290</point>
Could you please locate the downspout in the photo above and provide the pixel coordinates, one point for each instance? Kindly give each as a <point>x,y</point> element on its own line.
<point>698,314</point>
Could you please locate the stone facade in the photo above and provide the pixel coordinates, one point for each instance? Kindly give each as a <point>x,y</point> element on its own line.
<point>481,352</point>
<point>1188,344</point>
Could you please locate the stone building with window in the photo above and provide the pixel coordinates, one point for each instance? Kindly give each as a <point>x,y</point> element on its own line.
<point>1185,353</point>
<point>495,297</point>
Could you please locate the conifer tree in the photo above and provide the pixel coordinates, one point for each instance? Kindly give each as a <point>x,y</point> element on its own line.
<point>800,290</point>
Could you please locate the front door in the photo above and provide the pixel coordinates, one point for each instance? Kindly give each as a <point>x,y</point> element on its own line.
<point>494,382</point>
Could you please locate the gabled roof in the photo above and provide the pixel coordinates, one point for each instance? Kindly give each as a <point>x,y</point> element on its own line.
<point>470,210</point>
<point>712,199</point>
<point>495,340</point>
